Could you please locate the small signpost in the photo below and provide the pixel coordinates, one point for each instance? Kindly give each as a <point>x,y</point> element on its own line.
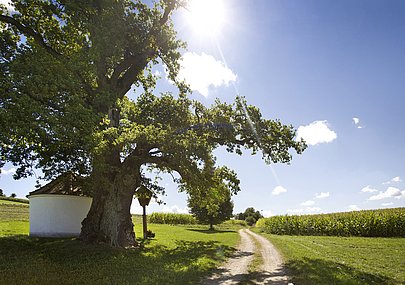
<point>144,196</point>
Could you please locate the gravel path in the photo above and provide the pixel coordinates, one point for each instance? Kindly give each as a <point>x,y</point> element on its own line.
<point>235,270</point>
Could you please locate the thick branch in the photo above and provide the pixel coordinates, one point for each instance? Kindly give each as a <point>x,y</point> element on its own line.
<point>30,32</point>
<point>126,72</point>
<point>169,8</point>
<point>132,67</point>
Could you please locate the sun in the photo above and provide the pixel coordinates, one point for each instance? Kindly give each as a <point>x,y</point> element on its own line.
<point>206,16</point>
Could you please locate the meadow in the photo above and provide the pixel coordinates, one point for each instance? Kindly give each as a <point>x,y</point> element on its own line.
<point>178,255</point>
<point>184,254</point>
<point>342,260</point>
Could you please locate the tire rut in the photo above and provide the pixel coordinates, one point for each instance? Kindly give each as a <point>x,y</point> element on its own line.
<point>236,269</point>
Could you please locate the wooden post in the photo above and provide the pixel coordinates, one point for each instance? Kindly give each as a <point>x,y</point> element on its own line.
<point>144,196</point>
<point>145,227</point>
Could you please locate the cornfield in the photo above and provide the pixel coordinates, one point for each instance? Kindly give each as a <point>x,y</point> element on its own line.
<point>368,223</point>
<point>171,219</point>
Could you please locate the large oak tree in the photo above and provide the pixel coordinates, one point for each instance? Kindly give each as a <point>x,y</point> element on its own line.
<point>66,69</point>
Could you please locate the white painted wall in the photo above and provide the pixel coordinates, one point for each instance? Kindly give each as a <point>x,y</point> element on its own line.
<point>57,215</point>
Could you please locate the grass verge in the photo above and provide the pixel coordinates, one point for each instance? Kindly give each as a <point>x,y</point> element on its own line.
<point>178,255</point>
<point>342,260</point>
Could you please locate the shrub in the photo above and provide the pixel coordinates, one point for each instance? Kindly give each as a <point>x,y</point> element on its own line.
<point>250,220</point>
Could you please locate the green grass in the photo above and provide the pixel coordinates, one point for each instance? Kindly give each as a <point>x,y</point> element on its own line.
<point>10,199</point>
<point>13,211</point>
<point>342,260</point>
<point>14,218</point>
<point>177,255</point>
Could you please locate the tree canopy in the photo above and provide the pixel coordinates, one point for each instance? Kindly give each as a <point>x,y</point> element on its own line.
<point>66,70</point>
<point>250,215</point>
<point>213,205</point>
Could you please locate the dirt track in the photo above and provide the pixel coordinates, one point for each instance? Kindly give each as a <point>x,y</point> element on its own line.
<point>236,270</point>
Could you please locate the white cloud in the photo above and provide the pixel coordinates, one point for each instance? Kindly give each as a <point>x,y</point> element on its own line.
<point>175,209</point>
<point>295,211</point>
<point>354,208</point>
<point>312,209</point>
<point>308,203</point>
<point>307,210</point>
<point>136,209</point>
<point>391,192</point>
<point>368,189</point>
<point>204,71</point>
<point>278,190</point>
<point>316,132</point>
<point>393,180</point>
<point>387,204</point>
<point>356,121</point>
<point>8,172</point>
<point>267,213</point>
<point>322,195</point>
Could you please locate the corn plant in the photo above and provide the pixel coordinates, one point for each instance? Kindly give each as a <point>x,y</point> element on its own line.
<point>172,219</point>
<point>368,223</point>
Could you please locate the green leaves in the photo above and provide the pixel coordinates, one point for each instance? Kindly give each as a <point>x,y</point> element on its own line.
<point>67,67</point>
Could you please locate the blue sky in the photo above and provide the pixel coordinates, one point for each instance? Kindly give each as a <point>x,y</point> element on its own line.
<point>314,64</point>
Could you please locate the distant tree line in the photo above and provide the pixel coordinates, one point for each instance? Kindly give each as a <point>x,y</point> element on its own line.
<point>250,216</point>
<point>13,195</point>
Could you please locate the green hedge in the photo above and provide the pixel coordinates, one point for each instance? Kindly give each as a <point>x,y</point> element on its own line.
<point>368,223</point>
<point>172,219</point>
<point>25,201</point>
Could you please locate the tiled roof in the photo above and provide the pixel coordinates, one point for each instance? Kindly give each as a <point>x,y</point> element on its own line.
<point>66,184</point>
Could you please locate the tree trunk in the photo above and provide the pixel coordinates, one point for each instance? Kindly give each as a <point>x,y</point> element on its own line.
<point>109,219</point>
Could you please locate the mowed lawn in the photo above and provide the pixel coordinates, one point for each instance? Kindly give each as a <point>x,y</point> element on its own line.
<point>342,260</point>
<point>177,255</point>
<point>14,218</point>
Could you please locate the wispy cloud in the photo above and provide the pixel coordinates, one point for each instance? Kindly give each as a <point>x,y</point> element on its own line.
<point>267,213</point>
<point>307,210</point>
<point>393,180</point>
<point>175,209</point>
<point>308,203</point>
<point>357,123</point>
<point>322,195</point>
<point>387,204</point>
<point>8,171</point>
<point>203,71</point>
<point>353,208</point>
<point>391,192</point>
<point>368,189</point>
<point>278,190</point>
<point>316,132</point>
<point>312,209</point>
<point>157,73</point>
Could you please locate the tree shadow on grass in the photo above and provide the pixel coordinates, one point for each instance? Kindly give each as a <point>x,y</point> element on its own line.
<point>208,231</point>
<point>317,271</point>
<point>28,260</point>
